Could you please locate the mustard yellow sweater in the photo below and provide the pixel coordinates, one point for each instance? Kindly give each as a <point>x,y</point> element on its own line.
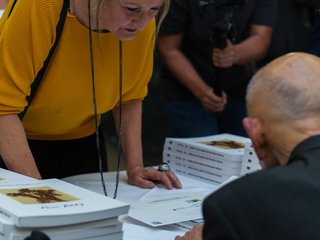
<point>62,107</point>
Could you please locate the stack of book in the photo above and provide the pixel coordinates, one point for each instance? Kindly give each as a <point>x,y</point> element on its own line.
<point>250,162</point>
<point>9,177</point>
<point>59,209</point>
<point>212,159</point>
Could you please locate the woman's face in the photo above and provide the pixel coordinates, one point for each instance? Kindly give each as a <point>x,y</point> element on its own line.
<point>125,18</point>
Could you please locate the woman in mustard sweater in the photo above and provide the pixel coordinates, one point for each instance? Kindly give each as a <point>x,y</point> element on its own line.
<point>93,64</point>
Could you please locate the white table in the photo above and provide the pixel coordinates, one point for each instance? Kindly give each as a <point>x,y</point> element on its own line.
<point>133,230</point>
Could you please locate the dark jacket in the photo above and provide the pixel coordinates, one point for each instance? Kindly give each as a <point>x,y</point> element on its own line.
<point>278,203</point>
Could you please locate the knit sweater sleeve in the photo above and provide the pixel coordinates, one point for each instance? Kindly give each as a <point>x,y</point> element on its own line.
<point>25,41</point>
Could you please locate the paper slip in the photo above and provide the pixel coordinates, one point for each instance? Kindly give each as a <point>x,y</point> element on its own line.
<point>165,207</point>
<point>161,192</point>
<point>188,225</point>
<point>136,232</point>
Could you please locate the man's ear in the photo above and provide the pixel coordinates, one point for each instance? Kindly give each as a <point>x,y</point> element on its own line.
<point>254,130</point>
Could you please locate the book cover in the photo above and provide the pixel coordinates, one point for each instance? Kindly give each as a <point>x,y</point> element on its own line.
<point>7,176</point>
<point>221,146</point>
<point>54,202</point>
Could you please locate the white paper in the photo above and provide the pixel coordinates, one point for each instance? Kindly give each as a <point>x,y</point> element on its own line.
<point>162,207</point>
<point>136,232</point>
<point>134,229</point>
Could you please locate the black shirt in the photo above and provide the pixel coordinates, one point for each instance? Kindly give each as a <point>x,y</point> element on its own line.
<point>196,22</point>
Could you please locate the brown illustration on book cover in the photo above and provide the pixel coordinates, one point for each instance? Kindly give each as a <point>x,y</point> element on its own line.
<point>226,144</point>
<point>37,195</point>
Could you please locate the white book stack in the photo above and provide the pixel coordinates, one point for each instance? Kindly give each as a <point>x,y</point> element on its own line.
<point>9,177</point>
<point>250,162</point>
<point>59,209</point>
<point>211,159</point>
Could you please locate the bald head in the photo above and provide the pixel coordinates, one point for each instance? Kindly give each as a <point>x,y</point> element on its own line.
<point>287,88</point>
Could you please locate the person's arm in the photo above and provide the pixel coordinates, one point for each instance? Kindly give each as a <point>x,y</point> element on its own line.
<point>132,150</point>
<point>181,67</point>
<point>14,147</point>
<point>251,49</point>
<point>3,4</point>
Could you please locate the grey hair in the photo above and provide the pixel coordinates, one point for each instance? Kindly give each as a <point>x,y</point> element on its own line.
<point>291,91</point>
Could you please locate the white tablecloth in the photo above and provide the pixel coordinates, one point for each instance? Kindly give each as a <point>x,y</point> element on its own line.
<point>133,230</point>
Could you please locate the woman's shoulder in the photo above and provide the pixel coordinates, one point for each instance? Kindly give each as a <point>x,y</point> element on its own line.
<point>44,11</point>
<point>52,6</point>
<point>39,8</point>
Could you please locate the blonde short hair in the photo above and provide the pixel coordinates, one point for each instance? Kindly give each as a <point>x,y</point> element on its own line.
<point>163,12</point>
<point>160,17</point>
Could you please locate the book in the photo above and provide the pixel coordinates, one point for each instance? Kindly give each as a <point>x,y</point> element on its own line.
<point>8,230</point>
<point>74,235</point>
<point>198,175</point>
<point>203,163</point>
<point>250,162</point>
<point>53,202</point>
<point>99,236</point>
<point>212,159</point>
<point>225,147</point>
<point>7,176</point>
<point>202,174</point>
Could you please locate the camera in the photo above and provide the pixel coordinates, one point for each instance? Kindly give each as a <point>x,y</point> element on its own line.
<point>222,29</point>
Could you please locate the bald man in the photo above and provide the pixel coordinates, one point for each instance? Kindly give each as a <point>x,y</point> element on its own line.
<point>283,200</point>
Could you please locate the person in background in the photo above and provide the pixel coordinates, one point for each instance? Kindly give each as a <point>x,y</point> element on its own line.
<point>207,64</point>
<point>282,200</point>
<point>292,29</point>
<point>314,40</point>
<point>103,62</point>
<point>3,4</point>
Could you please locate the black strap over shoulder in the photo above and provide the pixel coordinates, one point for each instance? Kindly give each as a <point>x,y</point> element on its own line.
<point>37,80</point>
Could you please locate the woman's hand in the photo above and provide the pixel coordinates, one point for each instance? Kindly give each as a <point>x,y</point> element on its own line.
<point>150,177</point>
